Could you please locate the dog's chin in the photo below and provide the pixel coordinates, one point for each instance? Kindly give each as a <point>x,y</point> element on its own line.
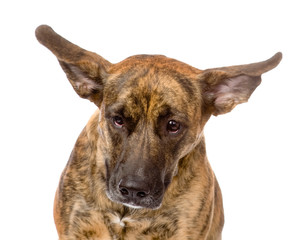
<point>141,207</point>
<point>131,205</point>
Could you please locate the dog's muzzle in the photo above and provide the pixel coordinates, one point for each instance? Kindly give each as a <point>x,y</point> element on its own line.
<point>136,192</point>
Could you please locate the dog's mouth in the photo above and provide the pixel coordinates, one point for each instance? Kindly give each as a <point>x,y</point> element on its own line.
<point>145,203</point>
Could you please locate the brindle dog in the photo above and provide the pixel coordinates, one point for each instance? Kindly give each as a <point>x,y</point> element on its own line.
<point>139,168</point>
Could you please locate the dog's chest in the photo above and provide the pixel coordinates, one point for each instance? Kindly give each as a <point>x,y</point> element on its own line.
<point>140,227</point>
<point>114,225</point>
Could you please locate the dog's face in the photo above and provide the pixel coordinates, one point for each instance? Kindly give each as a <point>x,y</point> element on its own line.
<point>151,117</point>
<point>152,111</point>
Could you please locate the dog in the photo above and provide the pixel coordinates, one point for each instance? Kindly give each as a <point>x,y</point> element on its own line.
<point>139,168</point>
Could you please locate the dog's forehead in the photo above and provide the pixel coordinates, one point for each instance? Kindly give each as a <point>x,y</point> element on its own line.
<point>152,83</point>
<point>143,61</point>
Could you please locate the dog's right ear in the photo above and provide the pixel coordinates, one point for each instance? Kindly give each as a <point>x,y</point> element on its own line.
<point>85,70</point>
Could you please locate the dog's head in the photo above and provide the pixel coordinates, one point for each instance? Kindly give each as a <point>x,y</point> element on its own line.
<point>152,111</point>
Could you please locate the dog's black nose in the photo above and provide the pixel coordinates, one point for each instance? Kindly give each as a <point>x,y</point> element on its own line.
<point>133,189</point>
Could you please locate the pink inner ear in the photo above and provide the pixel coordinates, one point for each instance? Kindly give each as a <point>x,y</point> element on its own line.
<point>82,79</point>
<point>83,83</point>
<point>233,91</point>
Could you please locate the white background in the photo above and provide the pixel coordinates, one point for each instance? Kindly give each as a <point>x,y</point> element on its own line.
<point>254,150</point>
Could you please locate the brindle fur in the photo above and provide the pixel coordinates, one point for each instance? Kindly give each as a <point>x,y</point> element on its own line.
<point>147,91</point>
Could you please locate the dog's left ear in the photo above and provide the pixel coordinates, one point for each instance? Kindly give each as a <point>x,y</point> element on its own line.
<point>85,70</point>
<point>224,88</point>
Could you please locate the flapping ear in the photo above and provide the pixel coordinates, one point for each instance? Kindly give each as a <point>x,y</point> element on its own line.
<point>224,88</point>
<point>85,70</point>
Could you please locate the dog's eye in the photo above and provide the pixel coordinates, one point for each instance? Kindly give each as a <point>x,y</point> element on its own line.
<point>118,121</point>
<point>173,126</point>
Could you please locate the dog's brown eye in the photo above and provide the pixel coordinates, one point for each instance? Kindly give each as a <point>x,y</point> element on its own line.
<point>118,121</point>
<point>173,126</point>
